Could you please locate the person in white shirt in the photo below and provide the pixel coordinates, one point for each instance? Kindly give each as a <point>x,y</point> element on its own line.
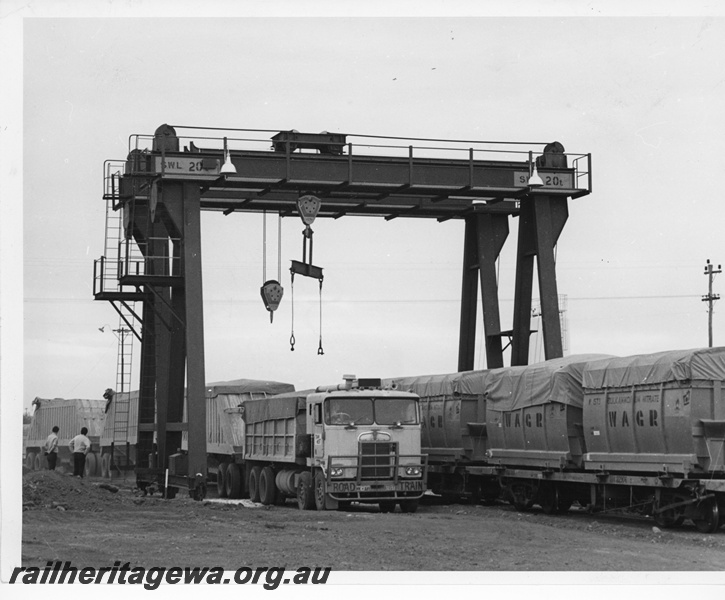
<point>79,446</point>
<point>51,448</point>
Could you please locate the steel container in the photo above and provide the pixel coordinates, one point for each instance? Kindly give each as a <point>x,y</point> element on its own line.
<point>658,413</point>
<point>453,414</point>
<point>534,414</point>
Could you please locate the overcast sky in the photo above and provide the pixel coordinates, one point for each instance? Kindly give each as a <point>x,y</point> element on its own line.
<point>643,95</point>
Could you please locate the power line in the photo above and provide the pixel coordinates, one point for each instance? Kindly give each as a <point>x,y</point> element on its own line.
<point>57,299</point>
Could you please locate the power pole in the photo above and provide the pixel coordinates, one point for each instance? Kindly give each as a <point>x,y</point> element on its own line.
<point>710,298</point>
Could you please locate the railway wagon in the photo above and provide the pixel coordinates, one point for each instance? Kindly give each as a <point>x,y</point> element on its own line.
<point>654,427</point>
<point>69,415</point>
<point>453,432</point>
<point>535,421</point>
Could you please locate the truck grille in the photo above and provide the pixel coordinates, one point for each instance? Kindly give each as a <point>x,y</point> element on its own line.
<point>377,459</point>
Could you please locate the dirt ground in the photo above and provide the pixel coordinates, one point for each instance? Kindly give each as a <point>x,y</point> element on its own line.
<point>70,519</point>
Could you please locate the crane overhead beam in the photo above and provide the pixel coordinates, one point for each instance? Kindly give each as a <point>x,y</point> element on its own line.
<point>351,184</point>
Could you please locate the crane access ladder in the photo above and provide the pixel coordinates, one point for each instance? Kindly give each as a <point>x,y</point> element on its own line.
<point>107,286</point>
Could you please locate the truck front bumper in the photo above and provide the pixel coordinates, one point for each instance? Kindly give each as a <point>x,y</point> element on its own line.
<point>376,490</point>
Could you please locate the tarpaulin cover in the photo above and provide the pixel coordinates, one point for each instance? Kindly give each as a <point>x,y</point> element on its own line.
<point>272,408</point>
<point>427,386</point>
<point>247,386</point>
<point>675,365</point>
<point>557,380</point>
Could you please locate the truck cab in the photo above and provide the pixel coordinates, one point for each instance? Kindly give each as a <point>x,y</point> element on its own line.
<point>365,446</point>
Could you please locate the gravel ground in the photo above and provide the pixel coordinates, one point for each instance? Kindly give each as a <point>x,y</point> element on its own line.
<point>66,518</point>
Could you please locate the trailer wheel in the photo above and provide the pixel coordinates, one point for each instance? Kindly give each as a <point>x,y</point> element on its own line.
<point>267,488</point>
<point>105,464</point>
<point>30,460</point>
<point>305,498</point>
<point>708,519</point>
<point>38,462</point>
<point>408,506</point>
<point>254,474</point>
<point>91,466</point>
<point>319,491</point>
<point>221,479</point>
<point>233,481</point>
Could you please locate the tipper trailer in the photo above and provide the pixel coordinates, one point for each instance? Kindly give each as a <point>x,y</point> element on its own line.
<point>70,415</point>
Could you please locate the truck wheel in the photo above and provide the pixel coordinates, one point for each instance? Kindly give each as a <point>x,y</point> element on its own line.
<point>408,506</point>
<point>254,474</point>
<point>319,491</point>
<point>30,460</point>
<point>305,498</point>
<point>221,479</point>
<point>267,488</point>
<point>233,481</point>
<point>90,469</point>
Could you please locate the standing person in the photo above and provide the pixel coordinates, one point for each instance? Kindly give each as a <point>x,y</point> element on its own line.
<point>79,446</point>
<point>51,448</point>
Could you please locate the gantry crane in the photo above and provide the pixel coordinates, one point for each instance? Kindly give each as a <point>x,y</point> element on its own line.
<point>167,180</point>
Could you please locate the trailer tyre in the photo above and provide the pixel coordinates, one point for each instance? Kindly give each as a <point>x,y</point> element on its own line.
<point>254,475</point>
<point>105,465</point>
<point>38,462</point>
<point>91,468</point>
<point>30,460</point>
<point>221,479</point>
<point>305,497</point>
<point>267,487</point>
<point>233,481</point>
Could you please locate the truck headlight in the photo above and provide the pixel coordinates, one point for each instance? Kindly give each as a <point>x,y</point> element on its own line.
<point>413,471</point>
<point>336,471</point>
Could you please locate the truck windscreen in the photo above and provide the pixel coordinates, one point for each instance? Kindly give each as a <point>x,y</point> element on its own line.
<point>366,411</point>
